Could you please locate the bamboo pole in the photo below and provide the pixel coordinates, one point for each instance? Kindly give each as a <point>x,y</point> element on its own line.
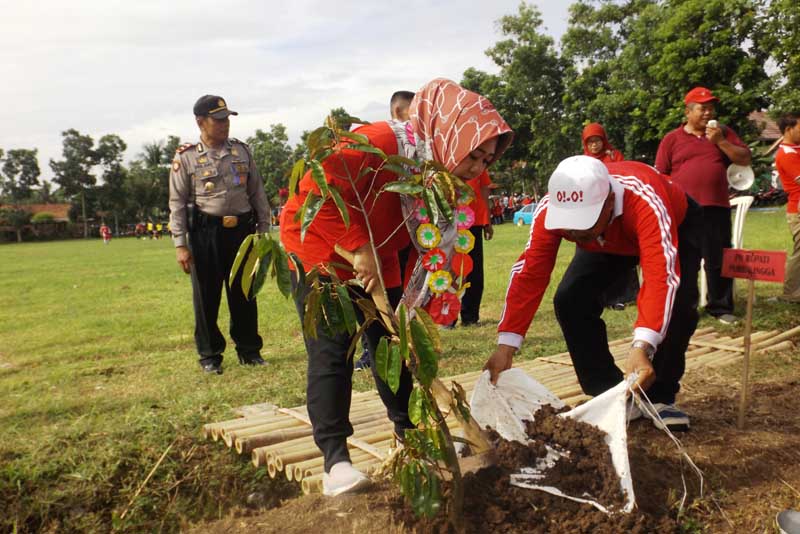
<point>309,449</point>
<point>782,337</point>
<point>783,345</point>
<point>748,325</point>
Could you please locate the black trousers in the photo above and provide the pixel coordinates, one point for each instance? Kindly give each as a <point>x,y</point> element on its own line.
<point>213,249</point>
<point>471,301</point>
<point>717,236</point>
<point>579,305</point>
<point>330,382</point>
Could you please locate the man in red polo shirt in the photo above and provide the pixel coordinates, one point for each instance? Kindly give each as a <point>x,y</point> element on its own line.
<point>618,214</point>
<point>787,162</point>
<point>696,155</point>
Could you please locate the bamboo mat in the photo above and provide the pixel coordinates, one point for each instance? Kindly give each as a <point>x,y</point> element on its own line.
<point>280,440</point>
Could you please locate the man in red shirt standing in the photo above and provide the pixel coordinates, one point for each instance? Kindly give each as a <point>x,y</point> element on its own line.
<point>696,155</point>
<point>787,161</point>
<point>618,214</point>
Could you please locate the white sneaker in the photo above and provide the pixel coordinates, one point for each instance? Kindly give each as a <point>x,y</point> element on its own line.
<point>343,478</point>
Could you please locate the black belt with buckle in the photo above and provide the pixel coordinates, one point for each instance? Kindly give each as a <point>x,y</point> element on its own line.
<point>227,221</point>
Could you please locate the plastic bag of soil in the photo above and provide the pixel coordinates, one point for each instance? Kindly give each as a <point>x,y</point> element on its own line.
<point>509,407</point>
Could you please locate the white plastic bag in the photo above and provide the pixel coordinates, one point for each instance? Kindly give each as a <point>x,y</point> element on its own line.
<point>517,397</point>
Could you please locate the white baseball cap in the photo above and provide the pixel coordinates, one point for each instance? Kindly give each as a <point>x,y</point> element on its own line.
<point>578,188</point>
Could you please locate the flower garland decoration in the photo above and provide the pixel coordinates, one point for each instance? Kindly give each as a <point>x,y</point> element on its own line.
<point>461,265</point>
<point>444,308</point>
<point>465,217</point>
<point>421,211</point>
<point>440,281</point>
<point>434,259</point>
<point>428,236</point>
<point>465,241</point>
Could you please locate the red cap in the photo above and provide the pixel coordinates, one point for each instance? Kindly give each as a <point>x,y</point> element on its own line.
<point>700,95</point>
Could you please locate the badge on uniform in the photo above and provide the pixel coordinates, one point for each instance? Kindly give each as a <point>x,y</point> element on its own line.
<point>202,159</point>
<point>209,187</point>
<point>234,152</point>
<point>240,171</point>
<point>176,165</point>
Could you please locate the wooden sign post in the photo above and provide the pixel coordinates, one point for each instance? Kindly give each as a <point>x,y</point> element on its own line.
<point>764,265</point>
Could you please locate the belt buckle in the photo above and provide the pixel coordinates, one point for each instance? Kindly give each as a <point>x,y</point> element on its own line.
<point>230,221</point>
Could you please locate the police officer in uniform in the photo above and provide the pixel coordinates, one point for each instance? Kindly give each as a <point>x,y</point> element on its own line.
<point>216,198</point>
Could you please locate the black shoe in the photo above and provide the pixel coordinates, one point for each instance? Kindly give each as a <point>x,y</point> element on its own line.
<point>212,368</point>
<point>363,363</point>
<point>252,360</point>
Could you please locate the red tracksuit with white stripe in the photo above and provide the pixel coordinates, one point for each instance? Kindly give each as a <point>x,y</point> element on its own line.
<point>648,214</point>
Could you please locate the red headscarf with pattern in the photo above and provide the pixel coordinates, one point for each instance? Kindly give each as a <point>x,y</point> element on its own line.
<point>453,122</point>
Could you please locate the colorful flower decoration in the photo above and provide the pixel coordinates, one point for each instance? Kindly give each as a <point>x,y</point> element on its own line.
<point>465,196</point>
<point>428,236</point>
<point>421,211</point>
<point>440,281</point>
<point>461,265</point>
<point>465,217</point>
<point>465,241</point>
<point>444,308</point>
<point>434,259</point>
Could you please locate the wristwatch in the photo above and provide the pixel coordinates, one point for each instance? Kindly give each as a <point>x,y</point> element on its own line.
<point>648,349</point>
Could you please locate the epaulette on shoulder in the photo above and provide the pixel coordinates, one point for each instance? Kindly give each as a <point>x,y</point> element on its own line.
<point>234,140</point>
<point>183,148</point>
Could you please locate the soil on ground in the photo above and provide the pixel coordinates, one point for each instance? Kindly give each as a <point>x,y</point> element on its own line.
<point>748,476</point>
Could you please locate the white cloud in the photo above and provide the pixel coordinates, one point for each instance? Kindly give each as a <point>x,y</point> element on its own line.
<point>136,68</point>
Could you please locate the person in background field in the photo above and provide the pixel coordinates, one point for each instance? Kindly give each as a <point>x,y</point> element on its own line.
<point>497,211</point>
<point>216,199</point>
<point>398,108</point>
<point>596,145</point>
<point>105,233</point>
<point>431,135</point>
<point>481,228</point>
<point>787,162</point>
<point>618,215</point>
<point>696,155</point>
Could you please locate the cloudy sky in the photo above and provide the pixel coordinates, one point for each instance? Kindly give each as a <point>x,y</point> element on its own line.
<point>135,67</point>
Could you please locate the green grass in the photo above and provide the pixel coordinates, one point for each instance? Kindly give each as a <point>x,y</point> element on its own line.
<point>98,376</point>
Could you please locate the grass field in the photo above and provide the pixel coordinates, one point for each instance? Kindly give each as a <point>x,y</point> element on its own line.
<point>98,377</point>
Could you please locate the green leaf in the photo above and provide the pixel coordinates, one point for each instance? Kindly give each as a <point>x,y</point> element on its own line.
<point>298,170</point>
<point>318,175</point>
<point>261,275</point>
<point>405,188</point>
<point>397,169</point>
<point>366,148</point>
<point>396,159</point>
<point>248,272</point>
<point>310,208</point>
<point>318,140</point>
<point>357,137</point>
<point>382,360</point>
<point>432,327</point>
<point>262,244</point>
<point>395,367</point>
<point>280,262</point>
<point>340,205</point>
<point>430,203</point>
<point>402,334</point>
<point>423,348</point>
<point>240,255</point>
<point>347,308</point>
<point>442,203</point>
<point>311,314</point>
<point>299,270</point>
<point>416,406</point>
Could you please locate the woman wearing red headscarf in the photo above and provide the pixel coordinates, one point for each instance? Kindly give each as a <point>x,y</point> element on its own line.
<point>448,124</point>
<point>596,145</point>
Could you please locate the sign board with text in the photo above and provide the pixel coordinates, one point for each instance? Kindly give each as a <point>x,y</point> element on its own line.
<point>763,265</point>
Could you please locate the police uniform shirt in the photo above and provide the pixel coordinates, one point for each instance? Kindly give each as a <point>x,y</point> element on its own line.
<point>224,181</point>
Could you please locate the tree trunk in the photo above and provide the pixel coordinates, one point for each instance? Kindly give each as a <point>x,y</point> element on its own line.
<point>116,224</point>
<point>83,210</point>
<point>19,235</point>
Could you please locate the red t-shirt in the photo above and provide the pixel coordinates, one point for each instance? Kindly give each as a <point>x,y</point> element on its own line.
<point>787,161</point>
<point>479,204</point>
<point>328,228</point>
<point>697,165</point>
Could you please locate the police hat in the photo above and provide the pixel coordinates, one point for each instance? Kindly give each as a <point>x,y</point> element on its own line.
<point>213,106</point>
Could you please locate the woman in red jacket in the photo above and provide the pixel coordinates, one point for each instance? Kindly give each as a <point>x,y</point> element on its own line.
<point>448,124</point>
<point>596,145</point>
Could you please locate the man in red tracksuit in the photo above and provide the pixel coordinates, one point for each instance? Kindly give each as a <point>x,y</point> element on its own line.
<point>618,214</point>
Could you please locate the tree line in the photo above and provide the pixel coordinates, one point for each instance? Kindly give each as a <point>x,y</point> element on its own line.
<point>625,64</point>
